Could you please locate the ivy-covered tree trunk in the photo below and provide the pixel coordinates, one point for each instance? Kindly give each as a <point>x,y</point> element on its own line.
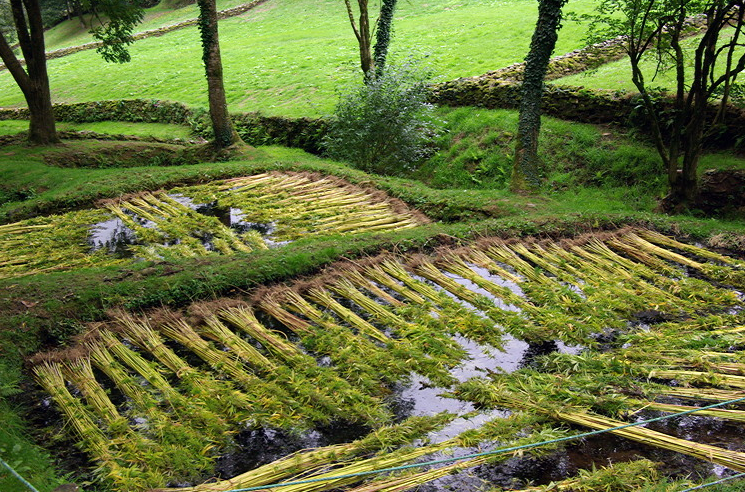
<point>225,134</point>
<point>33,81</point>
<point>383,34</point>
<point>525,171</point>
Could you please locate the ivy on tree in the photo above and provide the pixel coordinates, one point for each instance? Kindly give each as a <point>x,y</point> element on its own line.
<point>526,168</point>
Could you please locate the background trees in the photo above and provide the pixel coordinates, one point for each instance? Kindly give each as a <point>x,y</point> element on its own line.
<point>33,80</point>
<point>6,21</point>
<point>657,27</point>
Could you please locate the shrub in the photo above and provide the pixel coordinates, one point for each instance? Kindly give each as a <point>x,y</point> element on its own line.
<point>385,125</point>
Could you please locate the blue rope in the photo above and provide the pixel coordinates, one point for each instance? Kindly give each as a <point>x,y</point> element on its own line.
<point>487,453</point>
<point>15,474</point>
<point>726,479</point>
<point>469,456</point>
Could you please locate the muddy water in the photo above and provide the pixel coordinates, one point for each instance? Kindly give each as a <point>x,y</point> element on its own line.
<point>113,236</point>
<point>419,397</point>
<point>415,397</point>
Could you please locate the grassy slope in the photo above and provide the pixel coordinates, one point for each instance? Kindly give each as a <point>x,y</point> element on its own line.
<point>289,57</point>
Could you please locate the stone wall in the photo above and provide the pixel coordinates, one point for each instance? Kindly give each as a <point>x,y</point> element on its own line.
<point>254,128</point>
<point>564,102</point>
<point>575,104</point>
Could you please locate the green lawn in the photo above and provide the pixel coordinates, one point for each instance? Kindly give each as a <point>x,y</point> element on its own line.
<point>276,65</point>
<point>158,130</point>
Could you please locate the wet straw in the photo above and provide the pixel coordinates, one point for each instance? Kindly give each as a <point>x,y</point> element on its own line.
<point>15,474</point>
<point>487,453</point>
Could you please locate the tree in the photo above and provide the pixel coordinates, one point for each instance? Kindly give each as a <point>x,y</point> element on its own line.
<point>658,26</point>
<point>369,55</point>
<point>33,81</point>
<point>525,170</point>
<point>383,125</point>
<point>362,33</point>
<point>225,134</point>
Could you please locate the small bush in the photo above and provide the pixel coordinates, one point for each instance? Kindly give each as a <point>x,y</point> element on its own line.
<point>385,125</point>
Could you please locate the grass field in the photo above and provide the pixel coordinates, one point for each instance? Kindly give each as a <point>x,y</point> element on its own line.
<point>158,130</point>
<point>288,58</point>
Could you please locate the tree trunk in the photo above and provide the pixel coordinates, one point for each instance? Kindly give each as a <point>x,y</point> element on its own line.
<point>383,34</point>
<point>525,170</point>
<point>363,36</point>
<point>42,127</point>
<point>34,80</point>
<point>225,134</point>
<point>366,58</point>
<point>685,188</point>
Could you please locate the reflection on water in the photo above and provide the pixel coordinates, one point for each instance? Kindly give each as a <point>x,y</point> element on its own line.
<point>113,235</point>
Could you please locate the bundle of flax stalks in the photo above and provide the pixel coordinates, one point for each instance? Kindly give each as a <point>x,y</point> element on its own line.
<point>331,347</point>
<point>166,226</point>
<point>45,244</point>
<point>302,204</point>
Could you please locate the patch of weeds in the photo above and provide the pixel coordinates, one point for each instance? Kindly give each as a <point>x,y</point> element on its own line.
<point>16,449</point>
<point>8,195</point>
<point>384,125</point>
<point>123,154</point>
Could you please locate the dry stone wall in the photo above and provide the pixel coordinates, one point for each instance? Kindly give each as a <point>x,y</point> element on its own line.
<point>576,104</point>
<point>254,128</point>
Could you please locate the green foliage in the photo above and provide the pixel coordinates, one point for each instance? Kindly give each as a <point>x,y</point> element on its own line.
<point>16,448</point>
<point>8,195</point>
<point>7,28</point>
<point>585,157</point>
<point>475,149</point>
<point>54,11</point>
<point>116,32</point>
<point>384,125</point>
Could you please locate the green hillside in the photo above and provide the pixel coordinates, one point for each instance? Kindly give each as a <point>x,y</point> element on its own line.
<point>289,57</point>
